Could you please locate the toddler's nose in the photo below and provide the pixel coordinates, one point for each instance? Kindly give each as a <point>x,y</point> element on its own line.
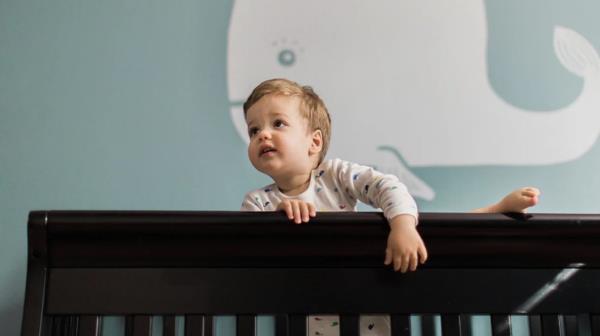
<point>264,134</point>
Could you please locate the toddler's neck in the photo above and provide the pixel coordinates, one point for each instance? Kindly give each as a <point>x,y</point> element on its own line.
<point>295,185</point>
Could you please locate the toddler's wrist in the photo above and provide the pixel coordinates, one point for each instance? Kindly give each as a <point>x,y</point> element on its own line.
<point>403,222</point>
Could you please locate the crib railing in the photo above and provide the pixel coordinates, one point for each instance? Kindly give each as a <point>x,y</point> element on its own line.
<point>84,265</point>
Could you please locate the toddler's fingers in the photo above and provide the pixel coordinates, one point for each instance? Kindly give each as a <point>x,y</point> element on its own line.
<point>422,251</point>
<point>297,215</point>
<point>413,262</point>
<point>388,257</point>
<point>312,210</point>
<point>397,264</point>
<point>287,208</point>
<point>405,263</point>
<point>304,211</point>
<point>400,263</point>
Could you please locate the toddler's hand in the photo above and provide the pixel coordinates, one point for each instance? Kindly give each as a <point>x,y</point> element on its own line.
<point>405,248</point>
<point>297,210</point>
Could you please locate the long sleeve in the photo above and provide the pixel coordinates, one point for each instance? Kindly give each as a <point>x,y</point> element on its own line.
<point>379,190</point>
<point>251,204</point>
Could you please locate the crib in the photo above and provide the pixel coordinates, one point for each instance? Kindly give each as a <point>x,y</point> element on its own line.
<point>83,265</point>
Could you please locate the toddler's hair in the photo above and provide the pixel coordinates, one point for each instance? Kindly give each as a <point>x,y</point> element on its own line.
<point>311,106</point>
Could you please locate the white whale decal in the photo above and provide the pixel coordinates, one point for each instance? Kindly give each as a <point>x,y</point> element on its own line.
<point>406,83</point>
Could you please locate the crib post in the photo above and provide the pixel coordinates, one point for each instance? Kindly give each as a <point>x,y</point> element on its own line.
<point>35,289</point>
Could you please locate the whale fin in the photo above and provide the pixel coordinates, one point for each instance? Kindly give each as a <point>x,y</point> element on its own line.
<point>416,187</point>
<point>237,116</point>
<point>575,52</point>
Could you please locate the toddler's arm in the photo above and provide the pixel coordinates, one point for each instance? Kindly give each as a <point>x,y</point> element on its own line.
<point>405,248</point>
<point>374,188</point>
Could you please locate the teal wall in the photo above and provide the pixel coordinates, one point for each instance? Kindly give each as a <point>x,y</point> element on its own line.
<point>123,105</point>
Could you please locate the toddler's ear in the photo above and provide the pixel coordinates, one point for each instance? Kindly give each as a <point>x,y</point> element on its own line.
<point>317,142</point>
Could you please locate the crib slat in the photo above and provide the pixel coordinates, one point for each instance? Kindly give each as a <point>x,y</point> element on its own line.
<point>194,325</point>
<point>129,325</point>
<point>89,325</point>
<point>73,325</point>
<point>281,325</point>
<point>551,325</point>
<point>169,326</point>
<point>49,326</point>
<point>595,325</point>
<point>535,325</point>
<point>570,324</point>
<point>465,325</point>
<point>198,325</point>
<point>46,329</point>
<point>245,325</point>
<point>138,325</point>
<point>208,325</point>
<point>451,325</point>
<point>297,325</point>
<point>62,325</point>
<point>501,325</point>
<point>349,325</point>
<point>428,325</point>
<point>58,326</point>
<point>400,325</point>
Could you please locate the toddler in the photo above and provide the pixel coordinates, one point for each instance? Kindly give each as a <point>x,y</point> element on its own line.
<point>289,129</point>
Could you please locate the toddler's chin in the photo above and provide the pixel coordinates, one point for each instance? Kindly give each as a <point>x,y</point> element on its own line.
<point>269,171</point>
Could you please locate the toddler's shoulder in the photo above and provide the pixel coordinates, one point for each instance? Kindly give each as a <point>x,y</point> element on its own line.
<point>262,192</point>
<point>332,164</point>
<point>340,166</point>
<point>261,199</point>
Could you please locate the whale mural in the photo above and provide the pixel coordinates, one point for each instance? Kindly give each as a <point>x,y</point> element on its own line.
<point>406,83</point>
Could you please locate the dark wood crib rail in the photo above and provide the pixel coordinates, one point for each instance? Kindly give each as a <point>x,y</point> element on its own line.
<point>86,264</point>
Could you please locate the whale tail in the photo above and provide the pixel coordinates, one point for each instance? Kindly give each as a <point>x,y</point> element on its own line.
<point>575,52</point>
<point>397,166</point>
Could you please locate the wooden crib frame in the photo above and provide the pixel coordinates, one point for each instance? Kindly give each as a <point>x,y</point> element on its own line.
<point>86,264</point>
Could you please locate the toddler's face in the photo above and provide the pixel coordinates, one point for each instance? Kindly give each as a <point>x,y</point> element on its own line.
<point>280,142</point>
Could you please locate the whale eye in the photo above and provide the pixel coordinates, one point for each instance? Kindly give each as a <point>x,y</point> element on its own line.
<point>286,57</point>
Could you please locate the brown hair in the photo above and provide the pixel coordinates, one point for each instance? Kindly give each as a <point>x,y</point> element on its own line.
<point>311,105</point>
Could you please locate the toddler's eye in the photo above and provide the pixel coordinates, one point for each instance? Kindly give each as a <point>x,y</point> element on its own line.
<point>278,124</point>
<point>252,131</point>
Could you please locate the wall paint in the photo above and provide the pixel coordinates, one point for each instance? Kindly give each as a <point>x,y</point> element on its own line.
<point>121,105</point>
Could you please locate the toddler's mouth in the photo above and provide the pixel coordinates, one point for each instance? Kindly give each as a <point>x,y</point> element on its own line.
<point>267,150</point>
